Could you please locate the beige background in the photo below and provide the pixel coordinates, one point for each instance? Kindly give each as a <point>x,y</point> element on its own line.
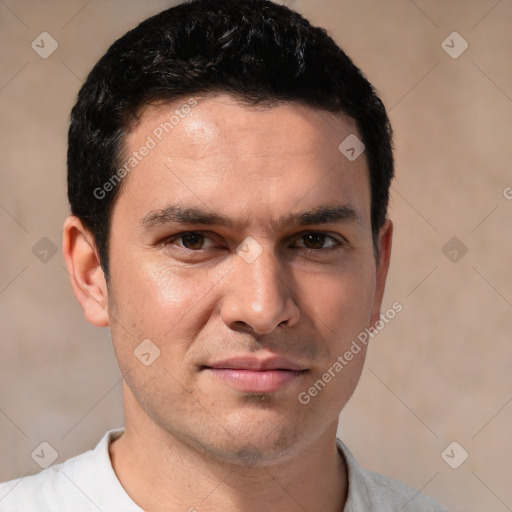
<point>439,372</point>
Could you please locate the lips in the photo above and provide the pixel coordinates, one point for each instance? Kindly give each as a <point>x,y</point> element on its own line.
<point>253,363</point>
<point>253,375</point>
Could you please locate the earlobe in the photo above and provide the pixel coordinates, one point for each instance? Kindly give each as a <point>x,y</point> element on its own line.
<point>385,242</point>
<point>86,275</point>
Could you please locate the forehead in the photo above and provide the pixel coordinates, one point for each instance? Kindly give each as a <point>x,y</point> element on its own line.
<point>217,151</point>
<point>201,123</point>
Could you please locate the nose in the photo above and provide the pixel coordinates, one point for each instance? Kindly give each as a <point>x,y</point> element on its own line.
<point>258,297</point>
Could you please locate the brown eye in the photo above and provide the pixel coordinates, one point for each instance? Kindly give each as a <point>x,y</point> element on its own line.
<point>193,241</point>
<point>318,241</point>
<point>314,240</point>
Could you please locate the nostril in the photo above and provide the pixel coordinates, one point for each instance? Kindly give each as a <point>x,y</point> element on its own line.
<point>239,325</point>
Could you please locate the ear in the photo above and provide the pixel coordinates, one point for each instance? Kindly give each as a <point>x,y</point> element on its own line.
<point>384,245</point>
<point>87,278</point>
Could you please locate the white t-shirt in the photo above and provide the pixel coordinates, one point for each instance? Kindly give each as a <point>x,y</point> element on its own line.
<point>88,483</point>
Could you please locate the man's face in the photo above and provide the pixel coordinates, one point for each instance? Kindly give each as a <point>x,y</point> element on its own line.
<point>241,247</point>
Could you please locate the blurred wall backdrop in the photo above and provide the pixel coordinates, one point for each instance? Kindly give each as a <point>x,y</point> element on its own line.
<point>434,406</point>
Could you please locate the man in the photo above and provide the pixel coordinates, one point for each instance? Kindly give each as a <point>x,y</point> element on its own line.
<point>228,175</point>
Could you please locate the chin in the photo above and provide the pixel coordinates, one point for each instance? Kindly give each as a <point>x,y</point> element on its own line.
<point>248,443</point>
<point>251,453</point>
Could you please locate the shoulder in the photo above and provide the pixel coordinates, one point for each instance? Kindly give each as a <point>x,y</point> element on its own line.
<point>80,484</point>
<point>392,493</point>
<point>44,490</point>
<point>371,491</point>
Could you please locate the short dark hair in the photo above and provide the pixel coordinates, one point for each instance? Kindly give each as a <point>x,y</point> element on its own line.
<point>255,50</point>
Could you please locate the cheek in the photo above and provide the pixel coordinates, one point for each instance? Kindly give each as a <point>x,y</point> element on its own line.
<point>161,302</point>
<point>341,302</point>
<point>153,293</point>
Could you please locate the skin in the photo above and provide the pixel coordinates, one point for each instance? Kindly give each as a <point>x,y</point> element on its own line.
<point>191,439</point>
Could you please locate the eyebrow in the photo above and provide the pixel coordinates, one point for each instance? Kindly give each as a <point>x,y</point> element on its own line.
<point>321,215</point>
<point>192,215</point>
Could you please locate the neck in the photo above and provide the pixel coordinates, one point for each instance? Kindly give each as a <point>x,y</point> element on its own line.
<point>161,472</point>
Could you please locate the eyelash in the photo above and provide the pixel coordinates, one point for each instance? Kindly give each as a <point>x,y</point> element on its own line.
<point>338,243</point>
